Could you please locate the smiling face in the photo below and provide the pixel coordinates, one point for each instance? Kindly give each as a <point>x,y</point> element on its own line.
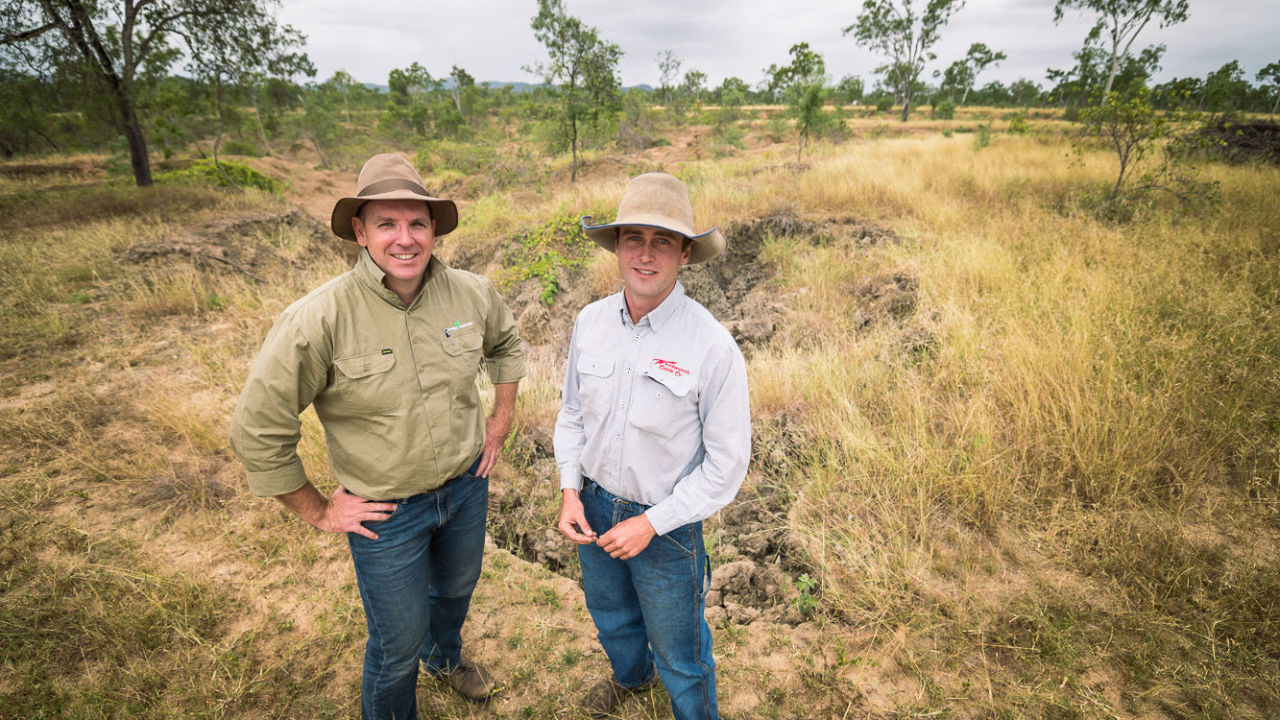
<point>648,261</point>
<point>400,235</point>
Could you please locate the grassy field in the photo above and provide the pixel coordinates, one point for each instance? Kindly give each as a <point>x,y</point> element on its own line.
<point>1036,476</point>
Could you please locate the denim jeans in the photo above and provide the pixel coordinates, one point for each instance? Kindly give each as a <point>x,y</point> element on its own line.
<point>416,581</point>
<point>648,610</point>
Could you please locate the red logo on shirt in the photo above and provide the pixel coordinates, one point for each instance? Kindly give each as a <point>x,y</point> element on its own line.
<point>671,367</point>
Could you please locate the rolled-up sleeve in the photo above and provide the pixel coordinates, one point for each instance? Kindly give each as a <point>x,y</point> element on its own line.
<point>503,351</point>
<point>284,379</point>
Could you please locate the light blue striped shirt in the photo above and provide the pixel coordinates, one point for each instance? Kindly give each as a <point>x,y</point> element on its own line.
<point>657,411</point>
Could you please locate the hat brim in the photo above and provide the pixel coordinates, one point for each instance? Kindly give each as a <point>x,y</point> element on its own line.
<point>443,211</point>
<point>706,246</point>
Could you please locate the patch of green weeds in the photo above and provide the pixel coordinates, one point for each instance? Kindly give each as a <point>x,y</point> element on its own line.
<point>546,252</point>
<point>571,657</point>
<point>982,136</point>
<point>224,173</point>
<point>806,602</point>
<point>1018,124</point>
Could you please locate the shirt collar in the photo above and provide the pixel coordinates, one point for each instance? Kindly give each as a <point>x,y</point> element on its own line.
<point>371,275</point>
<point>659,315</point>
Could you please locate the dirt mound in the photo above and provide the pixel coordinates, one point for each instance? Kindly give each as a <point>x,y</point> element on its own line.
<point>732,285</point>
<point>253,245</point>
<point>1242,142</point>
<point>885,297</point>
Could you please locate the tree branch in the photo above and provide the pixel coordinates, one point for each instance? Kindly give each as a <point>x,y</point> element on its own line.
<point>28,34</point>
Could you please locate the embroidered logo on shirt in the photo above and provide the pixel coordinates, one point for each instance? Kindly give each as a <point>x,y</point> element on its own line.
<point>386,351</point>
<point>671,367</point>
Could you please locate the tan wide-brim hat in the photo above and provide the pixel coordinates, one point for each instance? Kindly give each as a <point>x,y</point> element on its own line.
<point>657,200</point>
<point>390,177</point>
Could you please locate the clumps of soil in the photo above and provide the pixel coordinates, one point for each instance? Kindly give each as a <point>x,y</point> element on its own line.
<point>239,244</point>
<point>885,297</point>
<point>1245,141</point>
<point>520,514</point>
<point>631,140</point>
<point>744,591</point>
<point>893,299</point>
<point>861,234</point>
<point>733,287</point>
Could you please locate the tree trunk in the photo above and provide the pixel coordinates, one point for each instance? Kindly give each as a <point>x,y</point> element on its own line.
<point>573,142</point>
<point>965,96</point>
<point>1111,76</point>
<point>906,104</point>
<point>132,128</point>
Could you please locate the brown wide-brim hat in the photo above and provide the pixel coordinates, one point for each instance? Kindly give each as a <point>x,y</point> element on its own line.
<point>657,200</point>
<point>390,177</point>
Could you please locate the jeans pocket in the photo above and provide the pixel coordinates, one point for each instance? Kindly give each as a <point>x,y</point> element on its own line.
<point>682,540</point>
<point>371,524</point>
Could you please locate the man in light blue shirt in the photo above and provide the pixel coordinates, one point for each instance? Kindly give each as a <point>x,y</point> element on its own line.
<point>654,436</point>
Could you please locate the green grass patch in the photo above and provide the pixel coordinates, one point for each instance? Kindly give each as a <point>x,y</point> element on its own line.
<point>547,252</point>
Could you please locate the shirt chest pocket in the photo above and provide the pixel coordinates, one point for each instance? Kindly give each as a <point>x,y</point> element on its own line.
<point>664,405</point>
<point>363,384</point>
<point>464,345</point>
<point>595,385</point>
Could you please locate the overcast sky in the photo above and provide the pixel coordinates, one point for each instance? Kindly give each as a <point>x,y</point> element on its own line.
<point>492,40</point>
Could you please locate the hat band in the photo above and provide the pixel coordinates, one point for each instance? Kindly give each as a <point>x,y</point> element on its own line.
<point>385,186</point>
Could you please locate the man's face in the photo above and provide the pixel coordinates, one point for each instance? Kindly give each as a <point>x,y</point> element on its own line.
<point>400,235</point>
<point>648,261</point>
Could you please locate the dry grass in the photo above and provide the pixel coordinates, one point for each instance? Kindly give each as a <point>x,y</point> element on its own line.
<point>1051,487</point>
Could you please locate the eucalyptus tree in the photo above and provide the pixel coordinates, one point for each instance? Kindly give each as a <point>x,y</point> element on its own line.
<point>1121,21</point>
<point>979,58</point>
<point>581,65</point>
<point>1271,74</point>
<point>904,33</point>
<point>116,45</point>
<point>803,84</point>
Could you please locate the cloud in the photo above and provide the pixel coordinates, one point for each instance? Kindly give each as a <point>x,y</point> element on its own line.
<point>493,41</point>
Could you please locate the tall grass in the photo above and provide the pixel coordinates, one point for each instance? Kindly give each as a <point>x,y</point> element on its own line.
<point>1049,486</point>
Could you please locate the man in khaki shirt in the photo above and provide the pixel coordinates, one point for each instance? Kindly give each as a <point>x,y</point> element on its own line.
<point>388,354</point>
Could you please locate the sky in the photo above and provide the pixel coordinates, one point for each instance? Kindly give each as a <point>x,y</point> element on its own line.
<point>492,39</point>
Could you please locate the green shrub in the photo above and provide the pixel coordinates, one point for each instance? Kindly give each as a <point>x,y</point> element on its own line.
<point>884,103</point>
<point>225,173</point>
<point>1018,123</point>
<point>543,251</point>
<point>982,136</point>
<point>238,147</point>
<point>945,110</point>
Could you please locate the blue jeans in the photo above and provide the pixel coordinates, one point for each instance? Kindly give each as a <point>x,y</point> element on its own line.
<point>648,610</point>
<point>416,581</point>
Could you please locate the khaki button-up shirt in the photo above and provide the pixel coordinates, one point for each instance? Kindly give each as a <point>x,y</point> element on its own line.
<point>393,386</point>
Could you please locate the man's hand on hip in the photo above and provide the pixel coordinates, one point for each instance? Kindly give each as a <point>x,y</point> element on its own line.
<point>340,512</point>
<point>628,538</point>
<point>573,521</point>
<point>345,512</point>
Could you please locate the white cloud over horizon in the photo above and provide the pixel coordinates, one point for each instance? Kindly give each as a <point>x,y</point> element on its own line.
<point>493,41</point>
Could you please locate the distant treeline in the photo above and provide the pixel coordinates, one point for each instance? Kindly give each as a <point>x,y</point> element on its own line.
<point>69,112</point>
